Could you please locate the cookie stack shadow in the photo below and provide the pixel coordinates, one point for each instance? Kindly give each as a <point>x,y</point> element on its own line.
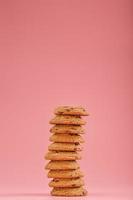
<point>64,151</point>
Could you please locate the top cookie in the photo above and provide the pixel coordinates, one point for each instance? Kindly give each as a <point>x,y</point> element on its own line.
<point>70,110</point>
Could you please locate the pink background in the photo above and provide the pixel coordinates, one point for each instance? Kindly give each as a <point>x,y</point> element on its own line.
<point>71,52</point>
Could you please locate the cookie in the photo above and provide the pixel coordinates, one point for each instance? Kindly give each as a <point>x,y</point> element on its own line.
<point>79,191</point>
<point>66,138</point>
<point>57,155</point>
<point>56,146</point>
<point>74,182</point>
<point>67,119</point>
<point>62,165</point>
<point>70,110</point>
<point>71,173</point>
<point>67,129</point>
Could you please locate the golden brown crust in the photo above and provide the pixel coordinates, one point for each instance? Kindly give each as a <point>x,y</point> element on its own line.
<point>73,182</point>
<point>53,155</point>
<point>67,119</point>
<point>80,191</point>
<point>61,137</point>
<point>78,129</point>
<point>62,165</point>
<point>70,110</point>
<point>72,173</point>
<point>58,146</point>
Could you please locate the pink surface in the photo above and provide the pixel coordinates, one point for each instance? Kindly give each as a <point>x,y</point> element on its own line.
<point>65,53</point>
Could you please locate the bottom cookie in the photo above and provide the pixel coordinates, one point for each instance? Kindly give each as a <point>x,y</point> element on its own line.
<point>79,191</point>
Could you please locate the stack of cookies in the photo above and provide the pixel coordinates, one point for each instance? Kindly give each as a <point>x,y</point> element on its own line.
<point>64,151</point>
